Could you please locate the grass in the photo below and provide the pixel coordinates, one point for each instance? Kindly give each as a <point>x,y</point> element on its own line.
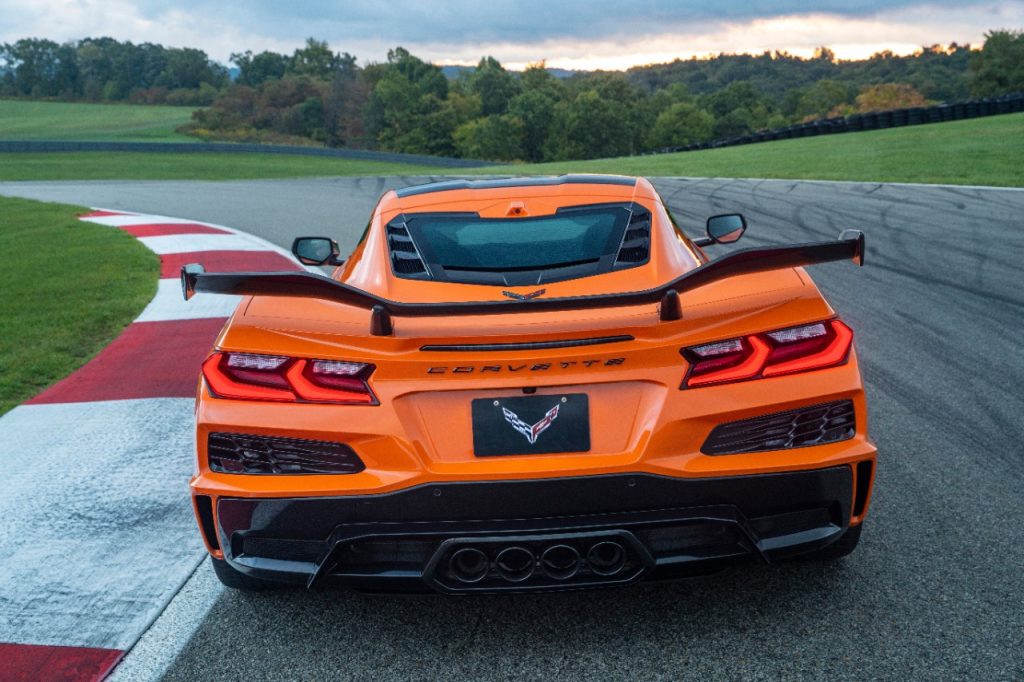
<point>981,151</point>
<point>68,289</point>
<point>27,120</point>
<point>199,166</point>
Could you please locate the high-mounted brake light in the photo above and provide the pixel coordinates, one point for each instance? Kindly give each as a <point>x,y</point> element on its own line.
<point>783,351</point>
<point>248,376</point>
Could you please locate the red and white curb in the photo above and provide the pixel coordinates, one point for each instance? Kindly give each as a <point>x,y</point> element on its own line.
<point>96,527</point>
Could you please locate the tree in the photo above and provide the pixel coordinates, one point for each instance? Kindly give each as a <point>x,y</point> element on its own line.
<point>738,109</point>
<point>407,109</point>
<point>256,69</point>
<point>535,111</point>
<point>681,124</point>
<point>537,78</point>
<point>590,127</point>
<point>820,99</point>
<point>188,67</point>
<point>889,96</point>
<point>317,61</point>
<point>41,68</point>
<point>495,86</point>
<point>494,138</point>
<point>346,98</point>
<point>999,67</point>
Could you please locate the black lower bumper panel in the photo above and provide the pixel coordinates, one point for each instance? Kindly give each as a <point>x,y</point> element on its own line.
<point>536,535</point>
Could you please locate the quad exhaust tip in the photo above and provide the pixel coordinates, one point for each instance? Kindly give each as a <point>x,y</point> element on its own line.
<point>469,565</point>
<point>560,562</point>
<point>606,558</point>
<point>517,564</point>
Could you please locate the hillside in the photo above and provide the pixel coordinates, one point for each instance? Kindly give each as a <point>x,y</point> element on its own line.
<point>35,120</point>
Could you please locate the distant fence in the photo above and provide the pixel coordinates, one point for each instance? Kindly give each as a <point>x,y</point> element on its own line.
<point>208,147</point>
<point>878,120</point>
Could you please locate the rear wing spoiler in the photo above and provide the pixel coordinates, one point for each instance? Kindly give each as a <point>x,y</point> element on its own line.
<point>194,279</point>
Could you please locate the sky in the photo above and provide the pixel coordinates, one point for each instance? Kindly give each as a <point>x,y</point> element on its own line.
<point>572,34</point>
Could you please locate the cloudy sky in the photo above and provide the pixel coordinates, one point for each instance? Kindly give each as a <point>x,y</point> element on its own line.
<point>584,34</point>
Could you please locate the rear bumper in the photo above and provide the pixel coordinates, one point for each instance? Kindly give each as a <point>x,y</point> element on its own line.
<point>666,527</point>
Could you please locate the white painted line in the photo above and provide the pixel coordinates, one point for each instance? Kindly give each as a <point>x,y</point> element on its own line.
<point>153,654</point>
<point>137,219</point>
<point>96,525</point>
<point>168,304</point>
<point>187,243</point>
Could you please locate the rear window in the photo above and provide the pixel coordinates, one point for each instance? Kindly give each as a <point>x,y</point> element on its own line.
<point>571,243</point>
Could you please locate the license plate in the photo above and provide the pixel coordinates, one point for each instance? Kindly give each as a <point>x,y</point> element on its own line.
<point>531,425</point>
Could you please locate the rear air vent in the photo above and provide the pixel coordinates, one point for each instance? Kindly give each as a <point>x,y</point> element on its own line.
<point>814,425</point>
<point>204,506</point>
<point>636,242</point>
<point>405,258</point>
<point>234,453</point>
<point>863,487</point>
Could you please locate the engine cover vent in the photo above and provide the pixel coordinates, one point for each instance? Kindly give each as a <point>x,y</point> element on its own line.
<point>405,257</point>
<point>636,242</point>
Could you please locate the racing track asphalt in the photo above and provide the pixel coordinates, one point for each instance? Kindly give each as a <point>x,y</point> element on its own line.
<point>936,589</point>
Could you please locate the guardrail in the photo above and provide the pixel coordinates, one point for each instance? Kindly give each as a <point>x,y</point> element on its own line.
<point>241,148</point>
<point>878,120</point>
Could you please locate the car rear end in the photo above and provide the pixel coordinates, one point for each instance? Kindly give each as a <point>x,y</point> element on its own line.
<point>535,451</point>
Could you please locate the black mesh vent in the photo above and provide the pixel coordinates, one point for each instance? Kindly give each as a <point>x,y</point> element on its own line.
<point>405,258</point>
<point>407,266</point>
<point>636,242</point>
<point>814,425</point>
<point>234,453</point>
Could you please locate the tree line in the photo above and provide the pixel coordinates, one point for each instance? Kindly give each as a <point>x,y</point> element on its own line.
<point>108,70</point>
<point>405,104</point>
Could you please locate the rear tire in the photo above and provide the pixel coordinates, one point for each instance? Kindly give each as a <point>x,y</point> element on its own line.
<point>236,580</point>
<point>846,543</point>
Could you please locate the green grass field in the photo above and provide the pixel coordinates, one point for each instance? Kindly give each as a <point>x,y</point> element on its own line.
<point>68,289</point>
<point>199,166</point>
<point>980,151</point>
<point>27,120</point>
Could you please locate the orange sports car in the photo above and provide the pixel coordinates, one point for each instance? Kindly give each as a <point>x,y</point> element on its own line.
<point>526,385</point>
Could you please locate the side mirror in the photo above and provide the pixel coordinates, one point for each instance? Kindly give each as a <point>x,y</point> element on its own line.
<point>723,229</point>
<point>316,251</point>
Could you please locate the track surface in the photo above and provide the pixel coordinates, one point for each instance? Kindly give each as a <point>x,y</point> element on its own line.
<point>936,589</point>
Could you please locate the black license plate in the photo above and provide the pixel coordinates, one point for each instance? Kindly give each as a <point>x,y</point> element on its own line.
<point>531,425</point>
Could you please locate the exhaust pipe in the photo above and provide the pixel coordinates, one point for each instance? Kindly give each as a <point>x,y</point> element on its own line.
<point>606,558</point>
<point>469,565</point>
<point>560,562</point>
<point>515,564</point>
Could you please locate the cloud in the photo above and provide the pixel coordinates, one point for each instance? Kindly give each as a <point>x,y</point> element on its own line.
<point>581,33</point>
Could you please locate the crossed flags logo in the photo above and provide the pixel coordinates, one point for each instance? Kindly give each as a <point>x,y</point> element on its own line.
<point>531,431</point>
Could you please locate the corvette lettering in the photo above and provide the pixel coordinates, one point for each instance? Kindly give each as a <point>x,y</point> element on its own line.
<point>525,366</point>
<point>531,431</point>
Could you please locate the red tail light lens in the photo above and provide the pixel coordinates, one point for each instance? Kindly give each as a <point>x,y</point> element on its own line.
<point>248,376</point>
<point>732,360</point>
<point>784,351</point>
<point>810,347</point>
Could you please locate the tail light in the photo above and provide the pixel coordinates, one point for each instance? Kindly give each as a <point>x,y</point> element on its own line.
<point>784,351</point>
<point>247,376</point>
